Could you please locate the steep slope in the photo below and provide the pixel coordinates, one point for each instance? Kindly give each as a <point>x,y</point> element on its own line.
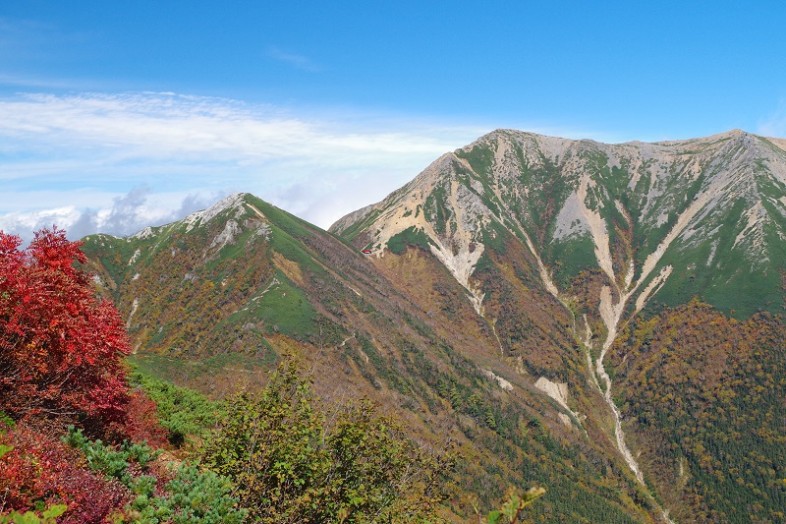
<point>627,211</point>
<point>598,235</point>
<point>215,300</point>
<point>706,394</point>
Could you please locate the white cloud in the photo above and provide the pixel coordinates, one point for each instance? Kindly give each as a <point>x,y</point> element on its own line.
<point>125,215</point>
<point>80,152</point>
<point>156,126</point>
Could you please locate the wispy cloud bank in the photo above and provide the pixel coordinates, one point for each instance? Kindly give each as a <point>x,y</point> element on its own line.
<point>172,126</point>
<point>55,150</point>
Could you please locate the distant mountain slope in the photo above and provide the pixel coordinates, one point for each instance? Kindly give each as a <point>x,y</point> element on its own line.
<point>214,300</point>
<point>554,238</point>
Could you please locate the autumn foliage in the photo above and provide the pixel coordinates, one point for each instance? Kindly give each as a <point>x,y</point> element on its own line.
<point>36,468</point>
<point>61,348</point>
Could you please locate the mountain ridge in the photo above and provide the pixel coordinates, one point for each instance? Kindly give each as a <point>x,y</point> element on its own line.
<point>508,300</point>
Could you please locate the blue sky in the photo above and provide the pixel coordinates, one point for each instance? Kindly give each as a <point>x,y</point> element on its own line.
<point>154,109</point>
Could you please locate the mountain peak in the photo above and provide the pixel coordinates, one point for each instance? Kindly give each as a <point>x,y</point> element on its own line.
<point>235,202</point>
<point>628,210</point>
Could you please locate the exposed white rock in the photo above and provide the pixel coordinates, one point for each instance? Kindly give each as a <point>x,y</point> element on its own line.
<point>274,282</point>
<point>653,287</point>
<point>227,236</point>
<point>713,250</point>
<point>587,339</point>
<point>461,265</point>
<point>134,307</point>
<point>755,217</point>
<point>551,146</point>
<point>597,227</point>
<point>145,233</point>
<point>134,257</point>
<point>263,230</point>
<point>233,202</point>
<point>571,220</point>
<point>503,384</point>
<point>556,390</point>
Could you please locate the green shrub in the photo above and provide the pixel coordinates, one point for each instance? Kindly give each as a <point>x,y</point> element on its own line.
<point>291,465</point>
<point>111,462</point>
<point>409,237</point>
<point>193,496</point>
<point>185,414</point>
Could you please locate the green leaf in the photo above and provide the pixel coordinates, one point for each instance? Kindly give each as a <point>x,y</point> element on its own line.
<point>55,511</point>
<point>28,518</point>
<point>5,449</point>
<point>493,517</point>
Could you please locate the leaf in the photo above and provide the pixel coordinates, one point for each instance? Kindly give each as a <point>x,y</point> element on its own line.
<point>28,518</point>
<point>55,511</point>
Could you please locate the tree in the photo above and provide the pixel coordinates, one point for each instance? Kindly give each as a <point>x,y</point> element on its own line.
<point>61,348</point>
<point>292,462</point>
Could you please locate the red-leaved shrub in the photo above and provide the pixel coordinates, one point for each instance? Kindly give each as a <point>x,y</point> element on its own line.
<point>61,348</point>
<point>141,422</point>
<point>40,468</point>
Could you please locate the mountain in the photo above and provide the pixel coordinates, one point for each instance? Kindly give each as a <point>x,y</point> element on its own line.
<point>214,301</point>
<point>660,265</point>
<point>631,213</point>
<point>603,320</point>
